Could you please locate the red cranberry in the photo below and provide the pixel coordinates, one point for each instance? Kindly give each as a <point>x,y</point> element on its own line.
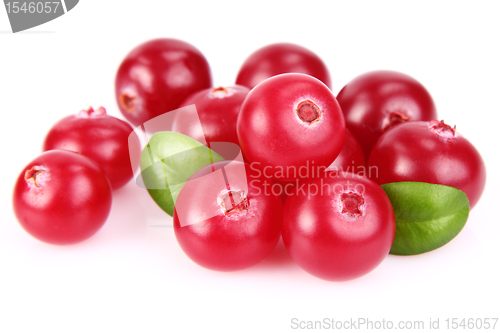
<point>157,76</point>
<point>281,58</point>
<point>377,101</point>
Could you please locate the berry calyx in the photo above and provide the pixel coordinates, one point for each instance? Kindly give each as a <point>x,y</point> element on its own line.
<point>91,113</point>
<point>393,119</point>
<point>233,201</point>
<point>219,92</point>
<point>308,112</point>
<point>127,102</point>
<point>35,177</point>
<point>351,204</point>
<point>442,129</point>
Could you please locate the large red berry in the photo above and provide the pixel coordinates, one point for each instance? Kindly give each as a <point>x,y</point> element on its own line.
<point>281,58</point>
<point>291,125</point>
<point>103,138</point>
<point>226,218</point>
<point>376,101</point>
<point>430,152</point>
<point>339,227</point>
<point>157,76</point>
<point>62,197</point>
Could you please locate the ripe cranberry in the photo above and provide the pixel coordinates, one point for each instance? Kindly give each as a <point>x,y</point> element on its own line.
<point>224,220</point>
<point>217,110</point>
<point>351,157</point>
<point>281,58</point>
<point>157,76</point>
<point>291,124</point>
<point>98,136</point>
<point>338,227</point>
<point>62,197</point>
<point>430,152</point>
<point>376,101</point>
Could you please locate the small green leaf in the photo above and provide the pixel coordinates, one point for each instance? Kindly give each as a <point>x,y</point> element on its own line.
<point>168,161</point>
<point>427,215</point>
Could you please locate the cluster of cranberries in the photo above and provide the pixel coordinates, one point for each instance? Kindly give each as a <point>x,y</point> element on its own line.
<point>64,195</point>
<point>313,166</point>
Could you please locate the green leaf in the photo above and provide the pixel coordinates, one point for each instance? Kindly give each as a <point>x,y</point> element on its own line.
<point>168,161</point>
<point>427,215</point>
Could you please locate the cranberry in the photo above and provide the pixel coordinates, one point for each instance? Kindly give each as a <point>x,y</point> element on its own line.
<point>62,197</point>
<point>430,152</point>
<point>217,110</point>
<point>281,58</point>
<point>157,76</point>
<point>224,220</point>
<point>376,101</point>
<point>338,227</point>
<point>101,137</point>
<point>291,125</point>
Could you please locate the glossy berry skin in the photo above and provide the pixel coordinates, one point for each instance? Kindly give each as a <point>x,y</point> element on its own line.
<point>291,124</point>
<point>101,137</point>
<point>341,233</point>
<point>217,110</point>
<point>62,197</point>
<point>281,58</point>
<point>230,236</point>
<point>430,152</point>
<point>156,76</point>
<point>351,157</point>
<point>376,101</point>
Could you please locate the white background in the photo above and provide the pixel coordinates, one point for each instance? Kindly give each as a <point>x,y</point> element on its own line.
<point>132,276</point>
